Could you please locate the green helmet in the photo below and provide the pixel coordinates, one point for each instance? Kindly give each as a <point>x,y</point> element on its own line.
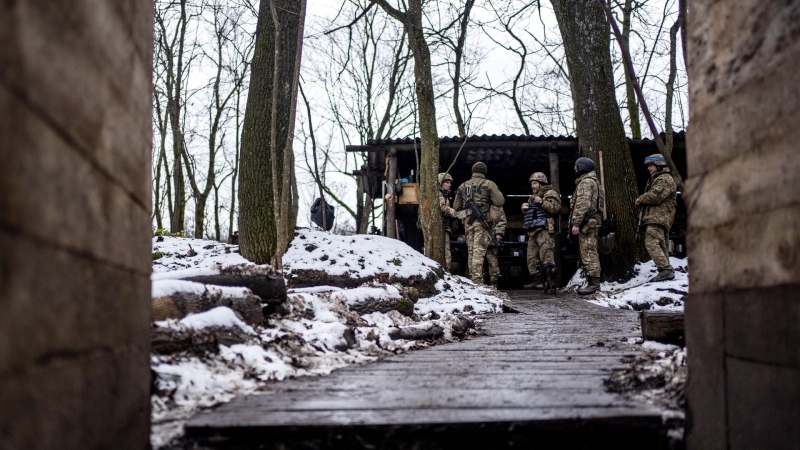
<point>442,177</point>
<point>538,176</point>
<point>655,159</point>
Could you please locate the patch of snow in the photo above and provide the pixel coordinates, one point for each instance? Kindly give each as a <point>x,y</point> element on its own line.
<point>221,316</point>
<point>162,288</point>
<point>638,292</point>
<point>318,334</point>
<point>460,295</point>
<point>175,254</point>
<point>358,255</point>
<point>314,289</point>
<point>361,294</point>
<point>659,347</point>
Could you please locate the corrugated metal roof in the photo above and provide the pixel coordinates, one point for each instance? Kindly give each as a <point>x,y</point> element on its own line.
<point>677,136</point>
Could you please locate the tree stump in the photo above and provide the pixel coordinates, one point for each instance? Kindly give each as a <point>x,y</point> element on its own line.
<point>663,326</point>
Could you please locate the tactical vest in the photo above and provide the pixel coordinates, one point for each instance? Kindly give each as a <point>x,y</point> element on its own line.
<point>535,216</point>
<point>479,195</point>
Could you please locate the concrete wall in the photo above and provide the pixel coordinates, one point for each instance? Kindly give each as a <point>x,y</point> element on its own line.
<point>743,313</point>
<point>75,139</point>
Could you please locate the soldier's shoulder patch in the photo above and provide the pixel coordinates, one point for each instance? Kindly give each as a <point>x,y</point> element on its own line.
<point>658,188</point>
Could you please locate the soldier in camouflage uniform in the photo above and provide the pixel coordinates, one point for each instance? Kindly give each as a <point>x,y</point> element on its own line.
<point>484,193</point>
<point>537,220</point>
<point>449,215</point>
<point>585,219</point>
<point>498,219</point>
<point>658,201</point>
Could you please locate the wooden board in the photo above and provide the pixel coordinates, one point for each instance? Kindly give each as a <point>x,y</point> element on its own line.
<point>541,370</point>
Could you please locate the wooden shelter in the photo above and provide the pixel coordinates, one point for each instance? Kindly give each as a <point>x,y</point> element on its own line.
<point>511,160</point>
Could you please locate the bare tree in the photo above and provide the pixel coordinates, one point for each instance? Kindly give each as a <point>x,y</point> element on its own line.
<point>223,21</point>
<point>586,40</point>
<point>430,216</point>
<point>267,189</point>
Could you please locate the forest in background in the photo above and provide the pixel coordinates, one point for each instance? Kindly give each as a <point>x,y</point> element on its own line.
<point>497,68</point>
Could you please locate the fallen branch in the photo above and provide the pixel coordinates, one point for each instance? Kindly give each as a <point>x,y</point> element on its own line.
<point>416,334</point>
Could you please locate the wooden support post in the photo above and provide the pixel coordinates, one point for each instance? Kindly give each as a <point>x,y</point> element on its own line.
<point>391,176</point>
<point>555,184</point>
<point>662,326</point>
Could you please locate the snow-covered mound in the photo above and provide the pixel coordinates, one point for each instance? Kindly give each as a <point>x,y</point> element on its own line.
<point>175,253</point>
<point>315,258</point>
<point>639,293</point>
<point>319,329</point>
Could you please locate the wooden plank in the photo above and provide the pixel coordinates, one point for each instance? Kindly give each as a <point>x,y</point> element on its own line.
<point>543,371</point>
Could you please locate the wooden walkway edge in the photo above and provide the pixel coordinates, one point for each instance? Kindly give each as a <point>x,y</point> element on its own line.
<point>534,380</point>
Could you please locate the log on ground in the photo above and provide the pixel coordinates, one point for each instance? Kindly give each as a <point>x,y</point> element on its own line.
<point>416,334</point>
<point>662,326</point>
<point>180,304</point>
<point>264,281</point>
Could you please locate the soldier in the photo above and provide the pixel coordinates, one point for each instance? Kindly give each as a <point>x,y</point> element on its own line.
<point>484,194</point>
<point>658,201</point>
<point>585,219</point>
<point>538,221</point>
<point>449,215</point>
<point>498,219</point>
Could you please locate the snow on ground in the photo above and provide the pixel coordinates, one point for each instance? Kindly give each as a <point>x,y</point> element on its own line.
<point>175,253</point>
<point>359,256</point>
<point>639,293</point>
<point>318,334</point>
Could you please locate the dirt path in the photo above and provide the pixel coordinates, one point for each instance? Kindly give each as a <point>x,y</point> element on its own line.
<point>536,377</point>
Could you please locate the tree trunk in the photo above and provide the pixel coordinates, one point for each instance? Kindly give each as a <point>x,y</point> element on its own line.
<point>459,54</point>
<point>429,213</point>
<point>673,69</point>
<point>265,175</point>
<point>633,105</point>
<point>585,33</point>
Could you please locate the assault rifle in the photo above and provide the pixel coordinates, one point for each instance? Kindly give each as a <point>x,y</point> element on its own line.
<point>476,213</point>
<point>639,225</point>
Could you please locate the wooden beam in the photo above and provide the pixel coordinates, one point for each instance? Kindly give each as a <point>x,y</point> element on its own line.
<point>662,326</point>
<point>391,199</point>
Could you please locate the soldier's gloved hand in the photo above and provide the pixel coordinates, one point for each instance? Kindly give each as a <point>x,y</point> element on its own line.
<point>525,206</point>
<point>463,214</point>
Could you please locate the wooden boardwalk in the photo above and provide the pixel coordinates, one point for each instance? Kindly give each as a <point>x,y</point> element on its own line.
<point>534,380</point>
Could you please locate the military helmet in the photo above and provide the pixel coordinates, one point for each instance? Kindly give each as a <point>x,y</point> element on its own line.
<point>479,167</point>
<point>655,159</point>
<point>584,165</point>
<point>538,176</point>
<point>442,177</point>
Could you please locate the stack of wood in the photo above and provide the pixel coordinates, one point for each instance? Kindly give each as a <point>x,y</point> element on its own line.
<point>262,287</point>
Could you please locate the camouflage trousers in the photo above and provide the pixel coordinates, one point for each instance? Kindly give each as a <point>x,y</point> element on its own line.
<point>494,266</point>
<point>655,241</point>
<point>587,243</point>
<point>540,249</point>
<point>447,257</point>
<point>477,238</point>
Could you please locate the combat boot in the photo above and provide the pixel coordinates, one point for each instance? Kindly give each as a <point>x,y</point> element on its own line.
<point>536,283</point>
<point>592,286</point>
<point>664,275</point>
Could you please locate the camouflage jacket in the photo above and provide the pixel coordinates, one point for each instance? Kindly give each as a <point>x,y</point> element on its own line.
<point>584,201</point>
<point>448,213</point>
<point>551,201</point>
<point>483,192</point>
<point>659,200</point>
<point>498,227</point>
